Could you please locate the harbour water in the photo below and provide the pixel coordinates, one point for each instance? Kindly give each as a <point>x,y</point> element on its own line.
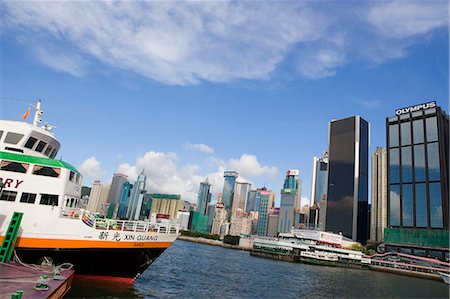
<point>192,270</point>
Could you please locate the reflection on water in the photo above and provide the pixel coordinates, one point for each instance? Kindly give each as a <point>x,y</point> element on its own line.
<point>189,270</point>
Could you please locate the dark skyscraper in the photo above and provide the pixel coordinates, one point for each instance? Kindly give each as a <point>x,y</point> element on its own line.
<point>418,180</point>
<point>347,200</point>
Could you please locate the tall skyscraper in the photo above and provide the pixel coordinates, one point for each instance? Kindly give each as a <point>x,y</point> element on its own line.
<point>319,179</point>
<point>124,200</point>
<point>290,201</point>
<point>220,217</point>
<point>240,196</point>
<point>116,188</point>
<point>347,199</point>
<point>204,197</point>
<point>228,190</point>
<point>272,222</point>
<point>418,179</point>
<point>251,201</point>
<point>265,200</point>
<point>378,209</point>
<point>136,197</point>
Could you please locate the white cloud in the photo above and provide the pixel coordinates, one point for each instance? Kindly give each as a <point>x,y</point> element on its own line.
<point>190,42</point>
<point>248,166</point>
<point>400,19</point>
<point>368,104</point>
<point>91,168</point>
<point>201,147</point>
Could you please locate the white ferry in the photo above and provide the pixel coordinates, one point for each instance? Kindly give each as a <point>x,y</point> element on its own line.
<point>47,191</point>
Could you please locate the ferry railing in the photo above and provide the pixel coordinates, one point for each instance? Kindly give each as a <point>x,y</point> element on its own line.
<point>127,225</point>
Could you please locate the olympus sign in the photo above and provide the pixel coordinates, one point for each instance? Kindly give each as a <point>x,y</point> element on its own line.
<point>415,108</point>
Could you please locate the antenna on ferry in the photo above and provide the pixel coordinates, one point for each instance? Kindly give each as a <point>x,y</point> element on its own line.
<point>37,114</point>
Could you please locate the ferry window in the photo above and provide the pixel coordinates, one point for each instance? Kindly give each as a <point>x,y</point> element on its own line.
<point>1,134</point>
<point>13,138</point>
<point>53,153</point>
<point>28,197</point>
<point>49,199</point>
<point>8,195</point>
<point>48,150</point>
<point>78,176</point>
<point>30,142</point>
<point>72,176</point>
<point>14,166</point>
<point>13,149</point>
<point>46,171</point>
<point>40,146</point>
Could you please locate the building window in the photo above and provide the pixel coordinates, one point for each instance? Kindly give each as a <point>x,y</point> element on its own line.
<point>421,205</point>
<point>433,162</point>
<point>435,205</point>
<point>40,146</point>
<point>13,138</point>
<point>30,142</point>
<point>14,166</point>
<point>394,205</point>
<point>8,195</point>
<point>394,166</point>
<point>418,131</point>
<point>393,135</point>
<point>46,171</point>
<point>406,165</point>
<point>419,163</point>
<point>432,132</point>
<point>28,197</point>
<point>405,132</point>
<point>407,205</point>
<point>49,199</point>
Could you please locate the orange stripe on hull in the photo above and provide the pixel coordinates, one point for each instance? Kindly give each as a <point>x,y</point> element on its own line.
<point>111,279</point>
<point>65,244</point>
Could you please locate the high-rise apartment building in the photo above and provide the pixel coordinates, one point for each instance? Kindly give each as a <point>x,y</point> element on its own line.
<point>204,197</point>
<point>265,200</point>
<point>272,222</point>
<point>220,217</point>
<point>241,223</point>
<point>228,189</point>
<point>136,197</point>
<point>290,201</point>
<point>94,196</point>
<point>378,209</point>
<point>241,191</point>
<point>166,204</point>
<point>418,179</point>
<point>347,195</point>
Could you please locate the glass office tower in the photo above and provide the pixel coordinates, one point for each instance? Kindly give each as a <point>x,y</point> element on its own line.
<point>418,145</point>
<point>347,199</point>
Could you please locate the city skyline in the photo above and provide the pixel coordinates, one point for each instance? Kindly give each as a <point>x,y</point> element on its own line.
<point>182,127</point>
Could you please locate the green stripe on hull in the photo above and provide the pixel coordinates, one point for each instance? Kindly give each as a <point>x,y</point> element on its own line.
<point>37,160</point>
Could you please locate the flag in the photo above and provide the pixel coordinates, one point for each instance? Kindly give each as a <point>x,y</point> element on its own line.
<point>25,115</point>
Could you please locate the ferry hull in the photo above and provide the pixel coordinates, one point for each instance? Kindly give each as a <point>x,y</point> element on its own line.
<point>118,263</point>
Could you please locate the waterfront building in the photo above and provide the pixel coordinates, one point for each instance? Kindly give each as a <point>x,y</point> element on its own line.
<point>228,189</point>
<point>272,222</point>
<point>290,201</point>
<point>116,188</point>
<point>314,217</point>
<point>166,204</point>
<point>187,206</point>
<point>102,205</point>
<point>347,194</point>
<point>220,216</point>
<point>418,179</point>
<point>251,201</point>
<point>240,196</point>
<point>124,200</point>
<point>378,209</point>
<point>136,197</point>
<point>241,223</point>
<point>204,197</point>
<point>265,199</point>
<point>94,196</point>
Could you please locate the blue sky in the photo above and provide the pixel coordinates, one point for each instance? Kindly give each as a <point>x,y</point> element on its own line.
<point>187,90</point>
